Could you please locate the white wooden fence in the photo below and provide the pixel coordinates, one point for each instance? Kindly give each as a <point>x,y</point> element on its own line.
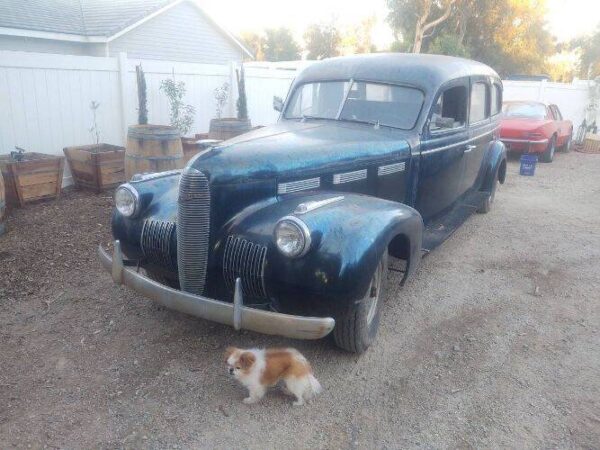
<point>45,98</point>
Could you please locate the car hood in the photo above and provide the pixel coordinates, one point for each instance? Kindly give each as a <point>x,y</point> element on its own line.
<point>292,149</point>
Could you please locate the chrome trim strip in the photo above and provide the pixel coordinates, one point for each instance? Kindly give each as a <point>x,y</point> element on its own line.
<point>348,177</point>
<point>525,141</point>
<point>446,147</point>
<point>233,314</point>
<point>306,207</point>
<point>300,185</point>
<point>391,168</point>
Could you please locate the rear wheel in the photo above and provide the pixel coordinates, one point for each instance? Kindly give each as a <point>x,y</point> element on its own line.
<point>548,155</point>
<point>487,204</point>
<point>566,148</point>
<point>356,328</point>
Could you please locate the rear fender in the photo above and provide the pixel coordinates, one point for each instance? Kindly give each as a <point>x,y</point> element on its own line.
<point>495,163</point>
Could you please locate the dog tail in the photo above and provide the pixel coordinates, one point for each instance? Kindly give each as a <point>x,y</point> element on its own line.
<point>315,386</point>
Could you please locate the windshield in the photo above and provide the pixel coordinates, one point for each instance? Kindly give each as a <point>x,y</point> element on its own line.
<point>358,101</point>
<point>529,110</point>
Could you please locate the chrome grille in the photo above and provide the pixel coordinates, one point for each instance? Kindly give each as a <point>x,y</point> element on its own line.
<point>391,168</point>
<point>349,177</point>
<point>246,260</point>
<point>300,185</point>
<point>156,242</point>
<point>193,228</point>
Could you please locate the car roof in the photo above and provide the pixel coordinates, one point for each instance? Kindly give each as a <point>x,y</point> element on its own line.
<point>421,70</point>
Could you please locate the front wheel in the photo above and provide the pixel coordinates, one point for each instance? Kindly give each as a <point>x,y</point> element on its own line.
<point>548,155</point>
<point>356,328</point>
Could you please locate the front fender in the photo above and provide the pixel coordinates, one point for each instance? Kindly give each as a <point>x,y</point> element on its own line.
<point>348,238</point>
<point>495,163</point>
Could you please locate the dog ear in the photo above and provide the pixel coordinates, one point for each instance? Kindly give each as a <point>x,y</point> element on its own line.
<point>229,351</point>
<point>246,360</point>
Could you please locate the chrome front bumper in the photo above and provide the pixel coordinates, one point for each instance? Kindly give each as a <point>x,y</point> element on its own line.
<point>234,314</point>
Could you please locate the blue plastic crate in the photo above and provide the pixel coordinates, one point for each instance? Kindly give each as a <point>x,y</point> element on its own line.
<point>528,163</point>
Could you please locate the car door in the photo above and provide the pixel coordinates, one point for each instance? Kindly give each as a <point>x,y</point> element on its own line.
<point>442,148</point>
<point>480,131</point>
<point>563,126</point>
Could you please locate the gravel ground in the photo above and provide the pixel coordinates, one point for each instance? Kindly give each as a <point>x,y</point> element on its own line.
<point>494,343</point>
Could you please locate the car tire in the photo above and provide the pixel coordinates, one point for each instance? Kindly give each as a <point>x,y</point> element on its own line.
<point>566,147</point>
<point>356,328</point>
<point>487,204</point>
<point>548,155</point>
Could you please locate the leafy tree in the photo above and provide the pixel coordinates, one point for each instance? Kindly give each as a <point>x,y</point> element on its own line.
<point>279,45</point>
<point>358,39</point>
<point>417,18</point>
<point>322,41</point>
<point>590,55</point>
<point>508,35</point>
<point>448,44</point>
<point>255,42</point>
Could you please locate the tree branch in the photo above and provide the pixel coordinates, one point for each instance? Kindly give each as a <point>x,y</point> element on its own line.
<point>441,18</point>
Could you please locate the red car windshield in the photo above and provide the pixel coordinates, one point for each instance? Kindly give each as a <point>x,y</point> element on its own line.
<point>528,110</point>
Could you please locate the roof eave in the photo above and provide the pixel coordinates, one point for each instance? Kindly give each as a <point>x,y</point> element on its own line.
<point>51,35</point>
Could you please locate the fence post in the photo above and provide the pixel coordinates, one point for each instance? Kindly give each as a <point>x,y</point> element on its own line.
<point>123,97</point>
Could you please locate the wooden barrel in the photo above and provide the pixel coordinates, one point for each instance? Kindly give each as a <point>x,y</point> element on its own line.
<point>2,206</point>
<point>223,129</point>
<point>152,148</point>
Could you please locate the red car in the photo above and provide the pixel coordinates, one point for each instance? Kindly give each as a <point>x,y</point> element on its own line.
<point>534,127</point>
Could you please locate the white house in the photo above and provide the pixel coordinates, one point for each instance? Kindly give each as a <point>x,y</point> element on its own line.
<point>174,30</point>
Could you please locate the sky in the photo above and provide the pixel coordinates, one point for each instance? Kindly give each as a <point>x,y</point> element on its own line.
<point>566,18</point>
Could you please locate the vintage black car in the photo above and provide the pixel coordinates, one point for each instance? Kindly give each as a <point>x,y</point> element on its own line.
<point>287,229</point>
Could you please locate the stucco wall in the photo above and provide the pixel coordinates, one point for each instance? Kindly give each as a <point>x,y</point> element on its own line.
<point>182,33</point>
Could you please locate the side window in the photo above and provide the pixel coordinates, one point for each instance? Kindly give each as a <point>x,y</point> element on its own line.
<point>550,113</point>
<point>557,113</point>
<point>496,100</point>
<point>450,110</point>
<point>479,103</point>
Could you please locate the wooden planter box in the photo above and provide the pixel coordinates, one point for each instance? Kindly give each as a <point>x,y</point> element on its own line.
<point>591,143</point>
<point>97,167</point>
<point>38,176</point>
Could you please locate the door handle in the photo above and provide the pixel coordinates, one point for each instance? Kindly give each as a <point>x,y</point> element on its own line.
<point>470,148</point>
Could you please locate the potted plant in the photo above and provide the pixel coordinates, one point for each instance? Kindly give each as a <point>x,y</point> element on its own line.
<point>181,115</point>
<point>97,166</point>
<point>30,176</point>
<point>226,128</point>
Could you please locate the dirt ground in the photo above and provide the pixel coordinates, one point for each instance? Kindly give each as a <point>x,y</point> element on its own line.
<point>494,343</point>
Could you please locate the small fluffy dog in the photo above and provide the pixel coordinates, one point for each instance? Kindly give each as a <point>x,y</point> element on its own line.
<point>258,369</point>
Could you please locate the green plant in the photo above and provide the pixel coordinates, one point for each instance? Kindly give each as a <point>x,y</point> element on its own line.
<point>242,105</point>
<point>94,105</point>
<point>142,102</point>
<point>182,115</point>
<point>221,95</point>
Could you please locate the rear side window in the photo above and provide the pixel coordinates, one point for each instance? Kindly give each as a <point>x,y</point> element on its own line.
<point>496,100</point>
<point>450,110</point>
<point>556,112</point>
<point>479,103</point>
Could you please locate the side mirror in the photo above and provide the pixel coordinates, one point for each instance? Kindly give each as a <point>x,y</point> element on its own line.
<point>277,103</point>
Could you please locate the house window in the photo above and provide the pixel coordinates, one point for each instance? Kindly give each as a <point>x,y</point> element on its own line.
<point>450,110</point>
<point>479,103</point>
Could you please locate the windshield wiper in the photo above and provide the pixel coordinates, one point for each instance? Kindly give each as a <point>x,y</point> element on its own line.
<point>376,124</point>
<point>304,117</point>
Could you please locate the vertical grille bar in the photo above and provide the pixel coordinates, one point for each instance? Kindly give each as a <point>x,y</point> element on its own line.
<point>193,228</point>
<point>246,260</point>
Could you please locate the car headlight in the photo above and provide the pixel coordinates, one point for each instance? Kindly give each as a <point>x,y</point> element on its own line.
<point>292,237</point>
<point>127,200</point>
